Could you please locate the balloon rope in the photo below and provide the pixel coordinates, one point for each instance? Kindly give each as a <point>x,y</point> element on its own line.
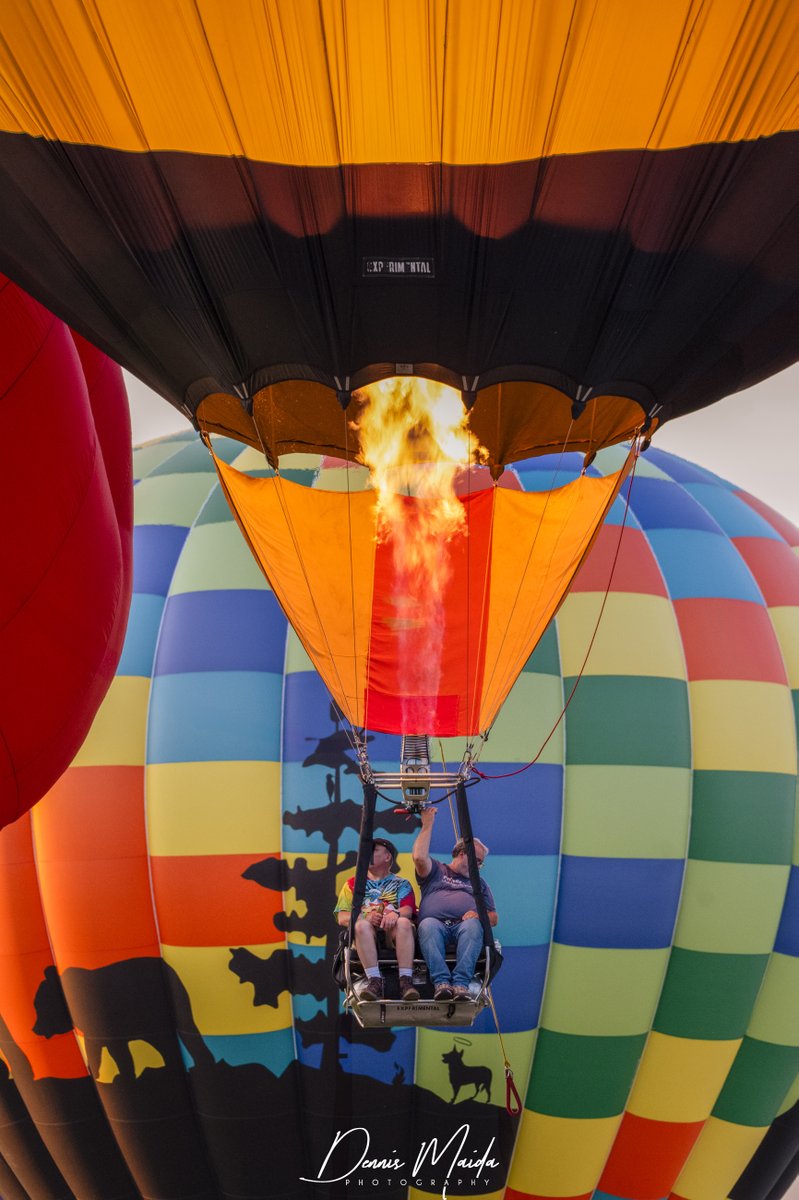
<point>513,1101</point>
<point>526,767</point>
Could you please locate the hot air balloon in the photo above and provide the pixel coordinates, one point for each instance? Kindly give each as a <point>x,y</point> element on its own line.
<point>168,1019</point>
<point>68,549</point>
<point>579,223</point>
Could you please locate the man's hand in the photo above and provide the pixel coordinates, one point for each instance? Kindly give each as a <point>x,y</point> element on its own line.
<point>467,916</point>
<point>390,919</point>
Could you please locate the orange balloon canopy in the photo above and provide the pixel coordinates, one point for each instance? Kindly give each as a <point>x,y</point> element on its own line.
<point>410,651</point>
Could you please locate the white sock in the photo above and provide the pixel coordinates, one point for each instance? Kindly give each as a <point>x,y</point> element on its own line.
<point>406,971</point>
<point>372,972</point>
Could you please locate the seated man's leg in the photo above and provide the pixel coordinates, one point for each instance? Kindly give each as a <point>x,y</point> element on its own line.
<point>366,945</point>
<point>401,938</point>
<point>432,942</point>
<point>469,936</point>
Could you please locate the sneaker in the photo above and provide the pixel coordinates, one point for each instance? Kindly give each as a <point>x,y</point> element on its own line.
<point>373,990</point>
<point>443,991</point>
<point>459,992</point>
<point>406,989</point>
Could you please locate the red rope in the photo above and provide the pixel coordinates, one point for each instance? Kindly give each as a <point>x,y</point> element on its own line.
<point>526,767</point>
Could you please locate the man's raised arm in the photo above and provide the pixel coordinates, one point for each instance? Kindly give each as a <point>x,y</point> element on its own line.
<point>421,847</point>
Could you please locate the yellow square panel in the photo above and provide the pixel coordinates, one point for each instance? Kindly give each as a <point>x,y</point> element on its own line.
<point>220,1002</point>
<point>119,731</point>
<point>214,808</point>
<point>786,626</point>
<point>637,635</point>
<point>717,1160</point>
<point>742,725</point>
<point>679,1079</point>
<point>560,1156</point>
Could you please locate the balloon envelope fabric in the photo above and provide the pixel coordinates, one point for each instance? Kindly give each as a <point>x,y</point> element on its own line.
<point>67,543</point>
<point>168,1020</point>
<point>573,212</point>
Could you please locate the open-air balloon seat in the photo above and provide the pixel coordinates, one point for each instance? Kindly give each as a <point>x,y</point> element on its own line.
<point>391,1010</point>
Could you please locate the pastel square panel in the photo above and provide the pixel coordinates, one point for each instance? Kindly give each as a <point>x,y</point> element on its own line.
<point>647,1157</point>
<point>696,562</point>
<point>627,812</point>
<point>517,990</point>
<point>602,993</point>
<point>215,553</point>
<point>732,514</point>
<point>662,504</point>
<point>617,902</point>
<point>786,627</point>
<point>626,565</point>
<point>518,815</point>
<point>635,635</point>
<point>731,908</point>
<point>680,1078</point>
<point>760,1078</point>
<point>560,1156</point>
<point>743,816</point>
<point>709,995</point>
<point>194,458</point>
<point>528,715</point>
<point>680,469</point>
<point>524,891</point>
<point>156,550</point>
<point>213,808</point>
<point>720,1155</point>
<point>785,528</point>
<point>742,726</point>
<point>776,1015</point>
<point>207,716</point>
<point>728,639</point>
<point>146,458</point>
<point>222,631</point>
<point>144,623</point>
<point>628,719</point>
<point>578,1076</point>
<point>171,499</point>
<point>775,567</point>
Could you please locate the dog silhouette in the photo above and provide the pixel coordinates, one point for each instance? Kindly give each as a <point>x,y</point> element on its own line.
<point>118,1004</point>
<point>462,1076</point>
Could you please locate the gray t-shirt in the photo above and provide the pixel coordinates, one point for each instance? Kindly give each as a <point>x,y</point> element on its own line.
<point>448,895</point>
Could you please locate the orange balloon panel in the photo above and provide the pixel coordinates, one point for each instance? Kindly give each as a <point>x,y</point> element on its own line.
<point>204,901</point>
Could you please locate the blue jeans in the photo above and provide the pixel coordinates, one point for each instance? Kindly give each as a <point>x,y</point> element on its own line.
<point>435,936</point>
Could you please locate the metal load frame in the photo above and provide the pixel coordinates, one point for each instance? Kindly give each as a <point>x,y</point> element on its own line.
<point>416,776</point>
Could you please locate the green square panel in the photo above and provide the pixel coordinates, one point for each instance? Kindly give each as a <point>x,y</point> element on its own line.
<point>776,1015</point>
<point>525,719</point>
<point>215,557</point>
<point>639,720</point>
<point>582,1077</point>
<point>171,499</point>
<point>602,992</point>
<point>761,1075</point>
<point>545,659</point>
<point>149,456</point>
<point>216,510</point>
<point>743,816</point>
<point>709,996</point>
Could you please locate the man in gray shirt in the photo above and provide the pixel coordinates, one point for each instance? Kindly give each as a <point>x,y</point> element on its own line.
<point>447,913</point>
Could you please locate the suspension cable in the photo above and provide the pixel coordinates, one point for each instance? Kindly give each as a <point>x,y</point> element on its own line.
<point>547,739</point>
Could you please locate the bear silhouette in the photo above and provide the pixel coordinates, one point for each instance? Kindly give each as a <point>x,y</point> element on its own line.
<point>118,1004</point>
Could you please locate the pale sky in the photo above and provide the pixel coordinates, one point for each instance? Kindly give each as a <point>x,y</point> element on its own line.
<point>750,439</point>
